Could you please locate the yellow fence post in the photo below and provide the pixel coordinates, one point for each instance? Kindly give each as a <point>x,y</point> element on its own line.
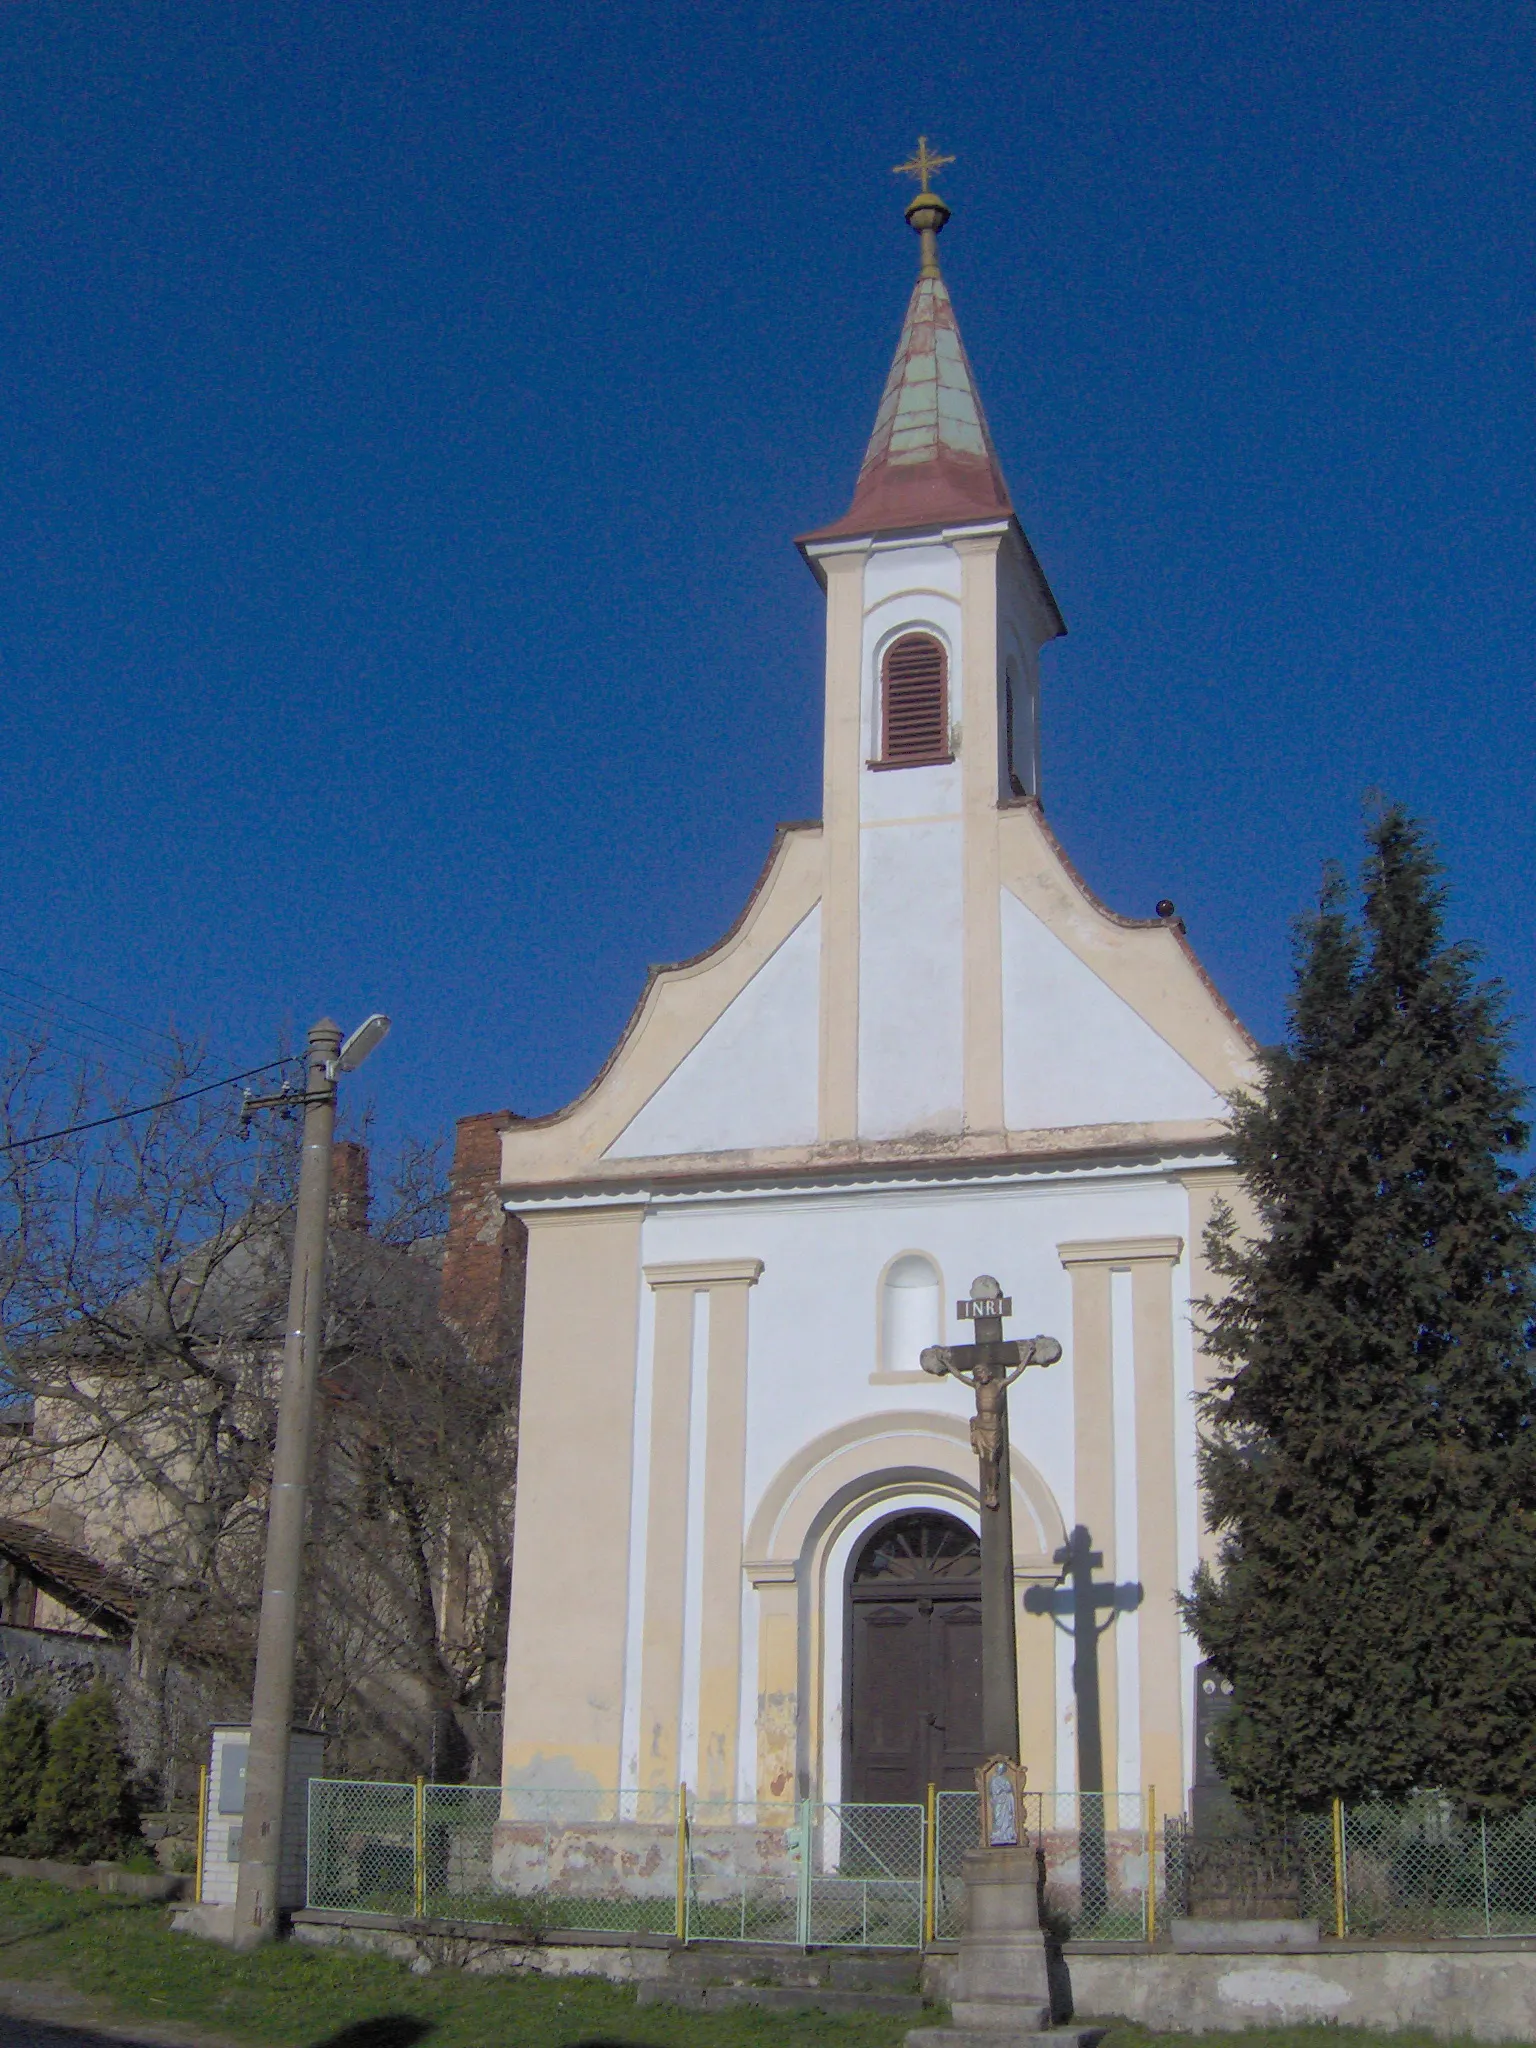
<point>680,1915</point>
<point>930,1862</point>
<point>421,1848</point>
<point>1340,1887</point>
<point>1151,1863</point>
<point>202,1831</point>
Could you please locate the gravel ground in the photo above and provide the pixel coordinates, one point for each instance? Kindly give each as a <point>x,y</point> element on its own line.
<point>19,2033</point>
<point>52,2016</point>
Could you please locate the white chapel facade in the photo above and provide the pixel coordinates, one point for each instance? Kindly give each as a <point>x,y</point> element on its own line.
<point>744,1547</point>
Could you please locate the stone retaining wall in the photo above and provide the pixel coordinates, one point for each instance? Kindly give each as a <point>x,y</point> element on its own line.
<point>487,1950</point>
<point>1484,1991</point>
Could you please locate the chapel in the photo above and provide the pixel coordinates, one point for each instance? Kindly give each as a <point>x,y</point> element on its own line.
<point>745,1554</point>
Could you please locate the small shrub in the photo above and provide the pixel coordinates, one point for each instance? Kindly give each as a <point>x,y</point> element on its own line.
<point>85,1803</point>
<point>23,1758</point>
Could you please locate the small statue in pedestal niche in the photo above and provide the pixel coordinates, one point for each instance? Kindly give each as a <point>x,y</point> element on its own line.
<point>1000,1781</point>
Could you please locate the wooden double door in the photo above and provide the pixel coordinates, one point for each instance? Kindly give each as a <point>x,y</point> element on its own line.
<point>912,1706</point>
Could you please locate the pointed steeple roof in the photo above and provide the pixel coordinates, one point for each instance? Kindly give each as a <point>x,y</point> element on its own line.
<point>930,460</point>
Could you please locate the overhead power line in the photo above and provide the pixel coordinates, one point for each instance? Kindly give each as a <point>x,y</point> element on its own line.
<point>55,1004</point>
<point>122,1116</point>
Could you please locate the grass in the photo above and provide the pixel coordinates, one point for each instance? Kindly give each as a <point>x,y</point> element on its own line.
<point>123,1955</point>
<point>291,1996</point>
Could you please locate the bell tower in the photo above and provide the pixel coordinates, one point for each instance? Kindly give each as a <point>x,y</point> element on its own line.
<point>936,613</point>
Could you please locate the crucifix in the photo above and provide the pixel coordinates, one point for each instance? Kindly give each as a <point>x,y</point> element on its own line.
<point>989,1367</point>
<point>923,164</point>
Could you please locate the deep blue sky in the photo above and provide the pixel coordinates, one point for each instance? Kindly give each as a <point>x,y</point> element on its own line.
<point>408,409</point>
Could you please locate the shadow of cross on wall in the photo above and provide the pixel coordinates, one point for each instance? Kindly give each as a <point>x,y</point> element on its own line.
<point>1075,1606</point>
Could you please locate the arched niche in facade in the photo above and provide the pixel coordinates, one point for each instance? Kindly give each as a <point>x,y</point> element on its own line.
<point>909,1311</point>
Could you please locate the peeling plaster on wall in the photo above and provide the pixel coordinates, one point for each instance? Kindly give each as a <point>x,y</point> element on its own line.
<point>554,1773</point>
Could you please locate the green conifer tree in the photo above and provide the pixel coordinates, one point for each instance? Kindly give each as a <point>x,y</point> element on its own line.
<point>1371,1439</point>
<point>85,1803</point>
<point>24,1730</point>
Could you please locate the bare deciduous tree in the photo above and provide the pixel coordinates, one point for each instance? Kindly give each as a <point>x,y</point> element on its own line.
<point>143,1288</point>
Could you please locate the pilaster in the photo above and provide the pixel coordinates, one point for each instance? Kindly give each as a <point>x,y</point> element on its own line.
<point>1036,1632</point>
<point>716,1291</point>
<point>571,1546</point>
<point>724,1513</point>
<point>1095,1652</point>
<point>666,1538</point>
<point>778,1665</point>
<point>1159,1688</point>
<point>1157,1531</point>
<point>843,760</point>
<point>980,744</point>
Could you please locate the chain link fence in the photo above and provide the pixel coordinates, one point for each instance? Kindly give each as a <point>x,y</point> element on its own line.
<point>363,1846</point>
<point>815,1875</point>
<point>1413,1869</point>
<point>1242,1865</point>
<point>533,1858</point>
<point>604,1861</point>
<point>881,1876</point>
<point>1100,1875</point>
<point>1422,1868</point>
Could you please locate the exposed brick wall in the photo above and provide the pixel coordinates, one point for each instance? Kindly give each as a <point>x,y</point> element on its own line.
<point>349,1185</point>
<point>485,1260</point>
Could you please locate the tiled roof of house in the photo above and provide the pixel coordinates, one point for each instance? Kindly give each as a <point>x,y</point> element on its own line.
<point>89,1588</point>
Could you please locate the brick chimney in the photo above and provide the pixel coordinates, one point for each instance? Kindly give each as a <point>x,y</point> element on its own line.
<point>349,1185</point>
<point>485,1260</point>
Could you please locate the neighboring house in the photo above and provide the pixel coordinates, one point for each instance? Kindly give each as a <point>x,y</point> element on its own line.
<point>116,1520</point>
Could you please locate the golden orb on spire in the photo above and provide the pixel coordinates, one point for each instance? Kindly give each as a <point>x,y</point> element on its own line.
<point>927,213</point>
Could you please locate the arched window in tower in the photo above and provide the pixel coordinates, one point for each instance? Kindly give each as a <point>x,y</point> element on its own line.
<point>914,702</point>
<point>910,1311</point>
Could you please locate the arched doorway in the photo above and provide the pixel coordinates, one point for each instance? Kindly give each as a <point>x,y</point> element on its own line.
<point>912,1700</point>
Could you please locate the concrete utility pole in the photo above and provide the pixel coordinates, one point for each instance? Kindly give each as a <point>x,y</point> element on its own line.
<point>266,1774</point>
<point>990,1366</point>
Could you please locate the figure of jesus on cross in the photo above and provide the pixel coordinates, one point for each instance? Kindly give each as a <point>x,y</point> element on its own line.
<point>989,1367</point>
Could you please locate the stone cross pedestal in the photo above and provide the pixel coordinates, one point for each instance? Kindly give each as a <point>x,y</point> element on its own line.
<point>1002,1993</point>
<point>1001,1996</point>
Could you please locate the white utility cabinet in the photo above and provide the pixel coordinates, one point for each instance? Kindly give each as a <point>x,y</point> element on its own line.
<point>224,1822</point>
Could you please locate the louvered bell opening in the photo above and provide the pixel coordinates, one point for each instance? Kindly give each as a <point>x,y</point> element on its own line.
<point>915,721</point>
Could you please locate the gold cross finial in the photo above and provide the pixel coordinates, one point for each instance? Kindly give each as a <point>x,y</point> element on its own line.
<point>923,164</point>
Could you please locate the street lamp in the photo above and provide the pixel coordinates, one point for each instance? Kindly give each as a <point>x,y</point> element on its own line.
<point>266,1774</point>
